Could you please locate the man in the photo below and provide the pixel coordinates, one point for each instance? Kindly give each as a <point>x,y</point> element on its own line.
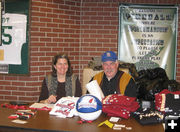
<point>112,80</point>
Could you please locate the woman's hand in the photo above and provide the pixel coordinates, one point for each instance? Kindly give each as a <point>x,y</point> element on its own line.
<point>51,99</point>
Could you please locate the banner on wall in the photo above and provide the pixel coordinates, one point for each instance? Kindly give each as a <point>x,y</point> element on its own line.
<point>148,36</point>
<point>14,42</point>
<point>14,36</point>
<point>0,20</point>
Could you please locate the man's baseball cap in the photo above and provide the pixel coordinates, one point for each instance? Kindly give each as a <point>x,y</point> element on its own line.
<point>108,56</point>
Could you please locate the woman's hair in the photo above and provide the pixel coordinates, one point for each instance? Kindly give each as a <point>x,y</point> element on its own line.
<point>55,59</point>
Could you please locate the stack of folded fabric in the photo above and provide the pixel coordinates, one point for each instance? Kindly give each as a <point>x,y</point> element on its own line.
<point>146,116</point>
<point>65,107</point>
<point>119,105</point>
<point>168,102</point>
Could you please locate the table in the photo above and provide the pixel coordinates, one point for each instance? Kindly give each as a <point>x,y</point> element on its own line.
<point>42,121</point>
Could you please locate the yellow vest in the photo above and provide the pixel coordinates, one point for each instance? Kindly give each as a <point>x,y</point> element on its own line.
<point>124,80</point>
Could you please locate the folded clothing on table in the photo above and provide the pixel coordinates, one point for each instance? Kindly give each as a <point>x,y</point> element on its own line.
<point>119,105</point>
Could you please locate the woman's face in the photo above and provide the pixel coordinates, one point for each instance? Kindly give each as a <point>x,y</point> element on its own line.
<point>61,66</point>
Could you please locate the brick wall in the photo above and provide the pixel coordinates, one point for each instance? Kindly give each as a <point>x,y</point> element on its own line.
<point>80,28</point>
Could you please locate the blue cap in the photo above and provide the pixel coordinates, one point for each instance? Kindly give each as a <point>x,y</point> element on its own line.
<point>108,56</point>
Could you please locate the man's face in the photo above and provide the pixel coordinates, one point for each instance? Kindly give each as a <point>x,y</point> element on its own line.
<point>110,68</point>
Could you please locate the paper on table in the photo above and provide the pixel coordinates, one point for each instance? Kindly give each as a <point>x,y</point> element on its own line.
<point>41,105</point>
<point>94,89</point>
<point>19,121</point>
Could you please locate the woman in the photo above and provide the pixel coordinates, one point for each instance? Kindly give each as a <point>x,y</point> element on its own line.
<point>62,82</point>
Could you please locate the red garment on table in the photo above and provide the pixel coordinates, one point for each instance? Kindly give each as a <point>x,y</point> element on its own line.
<point>119,105</point>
